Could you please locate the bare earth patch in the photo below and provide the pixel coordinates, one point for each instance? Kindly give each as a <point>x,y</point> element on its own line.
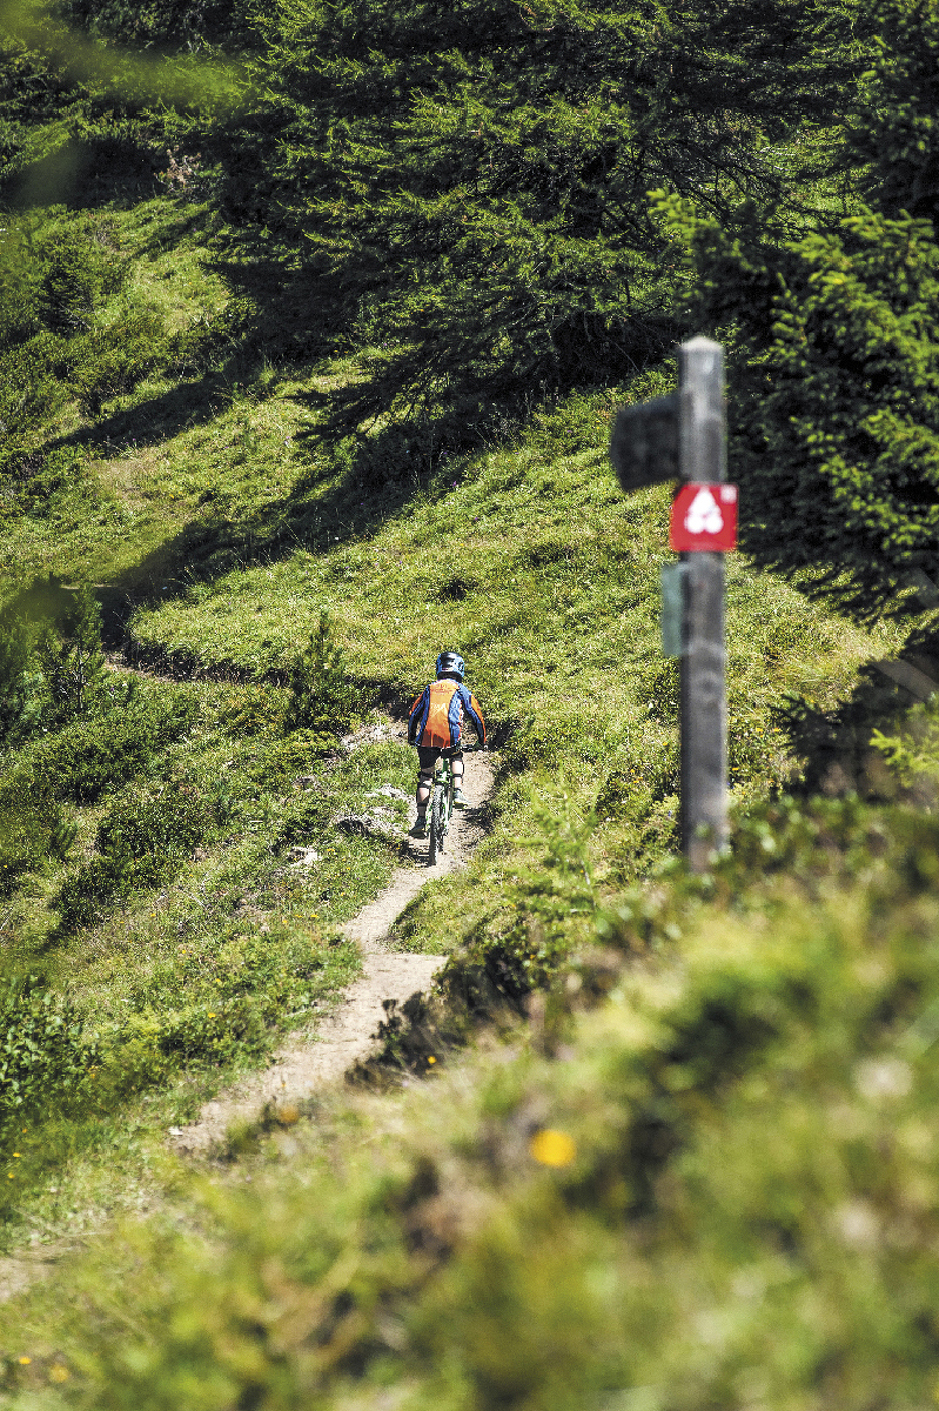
<point>20,1271</point>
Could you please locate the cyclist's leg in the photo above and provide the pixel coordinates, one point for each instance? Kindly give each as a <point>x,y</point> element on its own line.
<point>459,798</point>
<point>426,759</point>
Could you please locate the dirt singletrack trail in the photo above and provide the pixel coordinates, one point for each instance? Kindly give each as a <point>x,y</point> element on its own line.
<point>302,1068</point>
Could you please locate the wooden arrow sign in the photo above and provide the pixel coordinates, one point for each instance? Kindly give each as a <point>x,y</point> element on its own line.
<point>645,445</point>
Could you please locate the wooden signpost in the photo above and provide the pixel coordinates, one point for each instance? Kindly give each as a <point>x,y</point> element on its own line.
<point>684,437</point>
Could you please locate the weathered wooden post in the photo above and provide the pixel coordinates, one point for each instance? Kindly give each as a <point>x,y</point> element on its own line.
<point>683,437</point>
<point>702,460</point>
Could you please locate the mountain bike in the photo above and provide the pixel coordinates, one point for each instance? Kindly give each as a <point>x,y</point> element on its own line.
<point>441,800</point>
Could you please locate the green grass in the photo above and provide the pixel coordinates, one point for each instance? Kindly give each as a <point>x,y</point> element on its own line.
<point>217,531</point>
<point>195,968</point>
<point>723,1189</point>
<point>204,502</point>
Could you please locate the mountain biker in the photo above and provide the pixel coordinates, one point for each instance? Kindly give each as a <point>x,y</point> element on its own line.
<point>436,724</point>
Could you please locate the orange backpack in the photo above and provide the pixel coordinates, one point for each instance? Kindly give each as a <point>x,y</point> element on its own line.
<point>436,733</point>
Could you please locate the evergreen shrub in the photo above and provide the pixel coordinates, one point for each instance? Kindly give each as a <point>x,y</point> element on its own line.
<point>107,361</point>
<point>73,275</point>
<point>911,749</point>
<point>34,829</point>
<point>109,748</point>
<point>70,656</point>
<point>170,24</point>
<point>472,184</point>
<point>323,700</point>
<point>834,367</point>
<point>892,136</point>
<point>834,397</point>
<point>142,840</point>
<point>255,709</point>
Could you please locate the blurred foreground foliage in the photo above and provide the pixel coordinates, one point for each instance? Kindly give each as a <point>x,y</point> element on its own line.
<point>722,1186</point>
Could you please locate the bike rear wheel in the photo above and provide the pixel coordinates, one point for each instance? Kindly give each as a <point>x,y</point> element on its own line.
<point>438,824</point>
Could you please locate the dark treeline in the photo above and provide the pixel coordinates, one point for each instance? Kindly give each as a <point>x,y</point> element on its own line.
<point>491,205</point>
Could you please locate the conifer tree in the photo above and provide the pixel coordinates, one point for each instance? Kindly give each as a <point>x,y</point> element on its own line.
<point>892,133</point>
<point>323,699</point>
<point>471,179</point>
<point>834,375</point>
<point>70,656</point>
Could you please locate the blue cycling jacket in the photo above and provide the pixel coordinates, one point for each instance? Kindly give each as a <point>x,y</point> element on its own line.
<point>437,715</point>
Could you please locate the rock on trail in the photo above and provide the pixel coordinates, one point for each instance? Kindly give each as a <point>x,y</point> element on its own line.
<point>300,1069</point>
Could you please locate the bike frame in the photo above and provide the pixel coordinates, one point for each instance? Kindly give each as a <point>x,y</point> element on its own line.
<point>440,803</point>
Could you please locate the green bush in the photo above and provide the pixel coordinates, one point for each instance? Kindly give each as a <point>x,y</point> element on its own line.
<point>186,24</point>
<point>44,1057</point>
<point>218,1004</point>
<point>256,709</point>
<point>33,830</point>
<point>835,399</point>
<point>323,699</point>
<point>75,274</point>
<point>147,1047</point>
<point>29,393</point>
<point>834,366</point>
<point>70,656</point>
<point>549,742</point>
<point>44,477</point>
<point>143,839</point>
<point>110,360</point>
<point>104,750</point>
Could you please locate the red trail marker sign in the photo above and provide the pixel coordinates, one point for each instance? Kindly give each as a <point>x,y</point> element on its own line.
<point>704,518</point>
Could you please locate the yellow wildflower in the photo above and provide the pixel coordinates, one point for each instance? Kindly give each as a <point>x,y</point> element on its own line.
<point>552,1148</point>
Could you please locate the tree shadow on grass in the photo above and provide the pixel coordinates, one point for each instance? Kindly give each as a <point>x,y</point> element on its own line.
<point>312,516</point>
<point>834,747</point>
<point>186,404</point>
<point>296,314</point>
<point>104,170</point>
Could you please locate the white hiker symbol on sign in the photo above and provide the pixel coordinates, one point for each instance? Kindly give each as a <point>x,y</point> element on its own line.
<point>704,515</point>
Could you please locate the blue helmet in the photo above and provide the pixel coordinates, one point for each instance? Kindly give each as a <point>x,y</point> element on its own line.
<point>450,664</point>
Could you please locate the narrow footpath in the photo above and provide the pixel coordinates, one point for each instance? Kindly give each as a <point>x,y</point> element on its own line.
<point>306,1066</point>
<point>301,1069</point>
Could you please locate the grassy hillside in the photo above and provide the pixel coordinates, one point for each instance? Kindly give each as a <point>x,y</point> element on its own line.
<point>217,531</point>
<point>720,1187</point>
<point>689,1160</point>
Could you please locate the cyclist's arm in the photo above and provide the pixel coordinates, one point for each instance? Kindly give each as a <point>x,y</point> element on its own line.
<point>417,716</point>
<point>471,705</point>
